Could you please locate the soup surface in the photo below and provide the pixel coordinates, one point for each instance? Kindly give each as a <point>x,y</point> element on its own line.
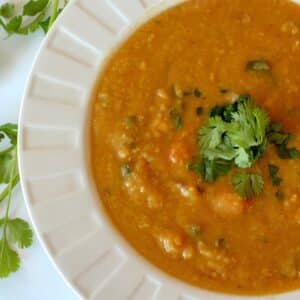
<point>155,94</point>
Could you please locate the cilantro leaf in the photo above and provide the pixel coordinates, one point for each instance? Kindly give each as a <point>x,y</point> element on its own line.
<point>9,259</point>
<point>12,230</point>
<point>14,25</point>
<point>235,133</point>
<point>6,190</point>
<point>248,126</point>
<point>281,140</point>
<point>7,10</point>
<point>211,135</point>
<point>287,153</point>
<point>20,233</point>
<point>45,25</point>
<point>33,25</point>
<point>6,162</point>
<point>176,118</point>
<point>6,155</point>
<point>54,12</point>
<point>247,185</point>
<point>210,170</point>
<point>243,158</point>
<point>11,131</point>
<point>32,8</point>
<point>273,170</point>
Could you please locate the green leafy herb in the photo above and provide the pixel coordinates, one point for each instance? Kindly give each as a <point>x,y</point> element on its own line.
<point>276,181</point>
<point>11,131</point>
<point>7,10</point>
<point>273,170</point>
<point>6,161</point>
<point>32,26</point>
<point>247,185</point>
<point>14,231</point>
<point>13,25</point>
<point>45,25</point>
<point>259,66</point>
<point>234,133</point>
<point>210,170</point>
<point>176,118</point>
<point>37,10</point>
<point>32,8</point>
<point>287,153</point>
<point>9,259</point>
<point>281,140</point>
<point>54,12</point>
<point>20,233</point>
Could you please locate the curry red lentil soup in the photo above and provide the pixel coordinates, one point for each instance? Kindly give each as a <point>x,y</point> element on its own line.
<point>194,143</point>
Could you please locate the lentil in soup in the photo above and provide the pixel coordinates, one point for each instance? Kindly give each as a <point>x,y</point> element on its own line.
<point>194,143</point>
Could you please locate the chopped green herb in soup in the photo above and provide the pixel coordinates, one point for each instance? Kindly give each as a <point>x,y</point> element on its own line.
<point>196,139</point>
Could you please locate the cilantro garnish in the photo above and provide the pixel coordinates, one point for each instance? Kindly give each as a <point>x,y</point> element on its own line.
<point>280,139</point>
<point>7,10</point>
<point>236,135</point>
<point>247,185</point>
<point>175,116</point>
<point>14,231</point>
<point>36,10</point>
<point>273,171</point>
<point>32,8</point>
<point>210,170</point>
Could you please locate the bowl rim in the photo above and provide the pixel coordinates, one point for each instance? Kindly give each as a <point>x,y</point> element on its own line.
<point>30,144</point>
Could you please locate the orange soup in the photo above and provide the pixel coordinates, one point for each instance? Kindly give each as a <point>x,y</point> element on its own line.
<point>195,138</point>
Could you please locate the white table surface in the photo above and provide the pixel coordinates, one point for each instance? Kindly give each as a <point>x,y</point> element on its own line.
<point>37,278</point>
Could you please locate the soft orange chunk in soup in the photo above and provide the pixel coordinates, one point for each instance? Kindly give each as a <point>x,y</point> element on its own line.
<point>201,233</point>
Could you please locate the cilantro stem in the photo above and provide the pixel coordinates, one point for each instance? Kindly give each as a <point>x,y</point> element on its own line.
<point>55,4</point>
<point>6,150</point>
<point>5,192</point>
<point>10,188</point>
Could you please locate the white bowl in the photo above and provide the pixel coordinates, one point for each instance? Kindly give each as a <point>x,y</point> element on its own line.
<point>54,159</point>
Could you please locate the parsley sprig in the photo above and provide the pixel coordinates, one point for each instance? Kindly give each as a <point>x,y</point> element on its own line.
<point>34,16</point>
<point>14,232</point>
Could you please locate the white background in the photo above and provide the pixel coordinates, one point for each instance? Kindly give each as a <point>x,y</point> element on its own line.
<point>37,278</point>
